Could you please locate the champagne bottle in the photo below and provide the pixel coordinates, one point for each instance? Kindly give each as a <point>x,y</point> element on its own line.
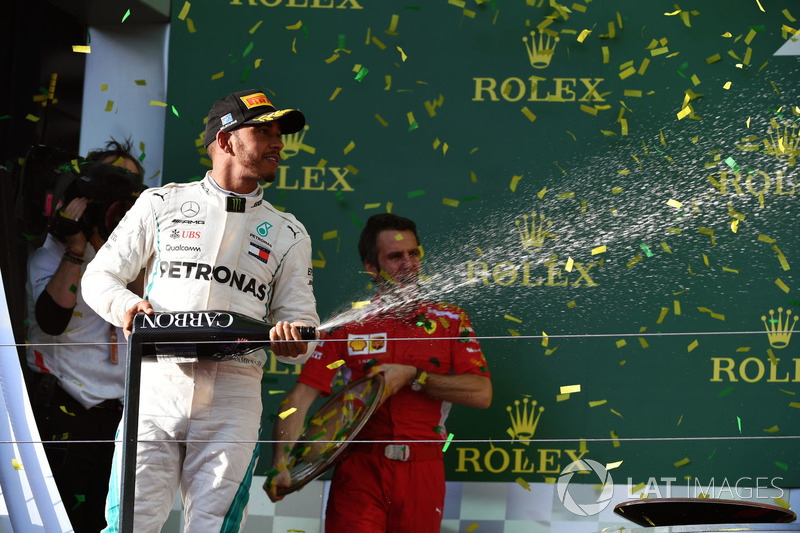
<point>216,335</point>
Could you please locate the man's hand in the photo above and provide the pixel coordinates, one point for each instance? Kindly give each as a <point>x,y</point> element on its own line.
<point>281,479</point>
<point>141,307</point>
<point>395,377</point>
<point>283,339</point>
<point>66,226</point>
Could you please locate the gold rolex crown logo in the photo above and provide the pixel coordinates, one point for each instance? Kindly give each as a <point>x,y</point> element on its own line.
<point>779,333</point>
<point>293,143</point>
<point>533,235</point>
<point>781,143</point>
<point>784,143</point>
<point>541,54</point>
<point>523,424</point>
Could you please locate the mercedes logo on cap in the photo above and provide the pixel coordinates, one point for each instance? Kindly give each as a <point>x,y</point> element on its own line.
<point>190,209</point>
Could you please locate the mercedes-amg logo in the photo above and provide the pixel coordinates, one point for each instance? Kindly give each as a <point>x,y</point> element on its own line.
<point>190,209</point>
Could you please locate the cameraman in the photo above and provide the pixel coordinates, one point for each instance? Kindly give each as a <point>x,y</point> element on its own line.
<point>78,369</point>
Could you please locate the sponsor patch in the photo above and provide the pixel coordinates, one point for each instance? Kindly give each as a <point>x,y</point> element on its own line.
<point>263,229</point>
<point>259,252</point>
<point>255,100</point>
<point>227,119</point>
<point>366,344</point>
<point>235,204</point>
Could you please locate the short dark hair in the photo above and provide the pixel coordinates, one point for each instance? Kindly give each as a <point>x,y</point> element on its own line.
<point>118,149</point>
<point>368,242</point>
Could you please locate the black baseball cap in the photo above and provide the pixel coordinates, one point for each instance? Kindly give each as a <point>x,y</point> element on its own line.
<point>247,108</point>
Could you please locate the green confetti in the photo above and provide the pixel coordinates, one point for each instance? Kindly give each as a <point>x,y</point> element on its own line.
<point>681,69</point>
<point>468,199</point>
<point>731,163</point>
<point>782,466</point>
<point>80,498</point>
<point>175,111</point>
<point>127,14</point>
<point>435,361</point>
<point>646,250</point>
<point>141,157</point>
<point>712,454</point>
<point>413,126</point>
<point>792,301</point>
<point>356,221</point>
<point>739,421</point>
<point>4,117</point>
<point>414,194</point>
<point>341,41</point>
<point>248,49</point>
<point>447,444</point>
<point>246,74</point>
<point>725,392</point>
<point>361,73</point>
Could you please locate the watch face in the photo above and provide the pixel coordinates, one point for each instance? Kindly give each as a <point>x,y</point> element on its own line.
<point>416,386</point>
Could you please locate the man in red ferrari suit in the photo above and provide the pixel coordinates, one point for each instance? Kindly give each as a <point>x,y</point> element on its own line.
<point>429,357</point>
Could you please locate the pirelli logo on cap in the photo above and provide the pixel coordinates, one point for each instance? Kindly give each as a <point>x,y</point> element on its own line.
<point>255,100</point>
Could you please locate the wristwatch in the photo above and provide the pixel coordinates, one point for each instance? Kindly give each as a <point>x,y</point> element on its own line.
<point>419,380</point>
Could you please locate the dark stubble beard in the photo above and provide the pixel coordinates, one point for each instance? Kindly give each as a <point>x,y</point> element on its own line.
<point>251,164</point>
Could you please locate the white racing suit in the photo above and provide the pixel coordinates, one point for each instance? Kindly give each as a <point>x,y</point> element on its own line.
<point>202,248</point>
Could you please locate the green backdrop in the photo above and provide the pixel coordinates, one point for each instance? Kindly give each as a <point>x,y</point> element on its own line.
<point>619,176</point>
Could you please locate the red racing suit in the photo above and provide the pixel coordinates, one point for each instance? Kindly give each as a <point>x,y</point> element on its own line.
<point>405,493</point>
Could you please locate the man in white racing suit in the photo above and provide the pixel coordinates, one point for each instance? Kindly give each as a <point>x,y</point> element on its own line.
<point>215,244</point>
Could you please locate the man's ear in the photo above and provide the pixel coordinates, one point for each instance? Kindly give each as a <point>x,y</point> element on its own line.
<point>223,141</point>
<point>371,269</point>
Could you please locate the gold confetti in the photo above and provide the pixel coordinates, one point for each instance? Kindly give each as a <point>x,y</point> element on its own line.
<point>16,464</point>
<point>584,34</point>
<point>611,466</point>
<point>674,203</point>
<point>692,346</point>
<point>514,181</point>
<point>782,285</point>
<point>81,49</point>
<point>335,364</point>
<point>599,250</point>
<point>524,484</point>
<point>184,11</point>
<point>569,389</point>
<point>682,462</point>
<point>528,113</point>
<point>287,412</point>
